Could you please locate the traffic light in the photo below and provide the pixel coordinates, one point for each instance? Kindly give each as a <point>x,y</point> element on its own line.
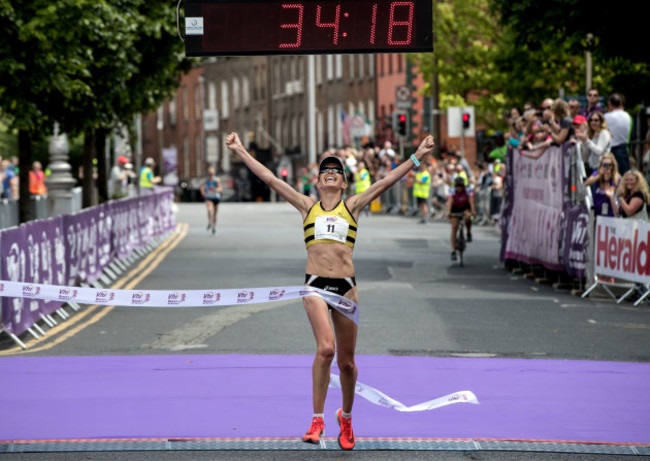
<point>466,120</point>
<point>401,124</point>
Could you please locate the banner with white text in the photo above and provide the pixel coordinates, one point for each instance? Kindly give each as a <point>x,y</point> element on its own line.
<point>535,221</point>
<point>622,249</point>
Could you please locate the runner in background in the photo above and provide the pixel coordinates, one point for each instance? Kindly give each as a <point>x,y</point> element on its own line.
<point>211,190</point>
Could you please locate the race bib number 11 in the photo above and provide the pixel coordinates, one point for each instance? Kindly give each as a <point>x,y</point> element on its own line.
<point>331,228</point>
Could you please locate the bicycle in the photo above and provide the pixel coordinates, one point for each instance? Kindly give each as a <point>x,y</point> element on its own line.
<point>461,242</point>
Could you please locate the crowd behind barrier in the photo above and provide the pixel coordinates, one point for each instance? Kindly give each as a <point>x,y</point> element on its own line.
<point>485,180</point>
<point>537,184</point>
<point>75,250</point>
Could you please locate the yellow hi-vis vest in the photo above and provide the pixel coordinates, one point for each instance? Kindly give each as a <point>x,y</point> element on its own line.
<point>361,181</point>
<point>145,174</point>
<point>422,184</point>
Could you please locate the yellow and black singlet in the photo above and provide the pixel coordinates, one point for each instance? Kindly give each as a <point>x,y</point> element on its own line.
<point>334,226</point>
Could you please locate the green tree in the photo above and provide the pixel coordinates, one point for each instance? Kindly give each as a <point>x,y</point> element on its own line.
<point>466,40</point>
<point>552,36</point>
<point>87,64</point>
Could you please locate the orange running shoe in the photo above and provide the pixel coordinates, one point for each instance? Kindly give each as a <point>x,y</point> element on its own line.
<point>346,437</point>
<point>316,429</point>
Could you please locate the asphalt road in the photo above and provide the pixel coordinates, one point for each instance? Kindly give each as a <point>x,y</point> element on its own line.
<point>415,301</point>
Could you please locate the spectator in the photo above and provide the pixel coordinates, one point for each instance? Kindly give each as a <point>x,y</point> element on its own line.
<point>574,107</point>
<point>499,152</point>
<point>147,179</point>
<point>422,189</point>
<point>529,105</point>
<point>604,180</point>
<point>8,179</point>
<point>633,196</point>
<point>619,123</point>
<point>440,191</point>
<point>362,183</point>
<point>496,191</point>
<point>557,122</point>
<point>37,179</point>
<point>596,141</point>
<point>120,178</point>
<point>534,149</point>
<point>387,150</point>
<point>592,104</point>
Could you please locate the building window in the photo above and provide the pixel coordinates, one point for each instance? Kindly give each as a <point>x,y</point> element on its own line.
<point>246,95</point>
<point>351,66</point>
<point>197,102</point>
<point>318,69</point>
<point>212,95</point>
<point>371,65</point>
<point>186,110</point>
<point>400,63</point>
<point>225,107</point>
<point>186,157</point>
<point>338,65</point>
<point>329,66</point>
<point>160,123</point>
<point>172,111</point>
<point>235,93</point>
<point>198,149</point>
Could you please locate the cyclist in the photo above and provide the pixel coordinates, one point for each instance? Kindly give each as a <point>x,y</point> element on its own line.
<point>460,203</point>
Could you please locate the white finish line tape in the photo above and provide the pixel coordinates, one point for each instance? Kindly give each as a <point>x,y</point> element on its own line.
<point>379,398</point>
<point>180,298</point>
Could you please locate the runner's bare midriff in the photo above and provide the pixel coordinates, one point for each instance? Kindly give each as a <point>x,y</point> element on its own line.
<point>332,260</point>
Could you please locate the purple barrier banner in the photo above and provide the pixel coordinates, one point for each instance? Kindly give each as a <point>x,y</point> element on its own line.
<point>507,204</point>
<point>71,249</point>
<point>39,262</point>
<point>124,223</point>
<point>82,246</point>
<point>534,235</point>
<point>575,240</point>
<point>17,315</point>
<point>165,219</point>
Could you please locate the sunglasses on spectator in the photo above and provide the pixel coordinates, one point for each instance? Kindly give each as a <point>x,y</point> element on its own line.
<point>606,165</point>
<point>594,120</point>
<point>593,95</point>
<point>331,170</point>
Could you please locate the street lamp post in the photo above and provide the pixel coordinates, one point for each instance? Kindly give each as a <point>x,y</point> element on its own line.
<point>60,199</point>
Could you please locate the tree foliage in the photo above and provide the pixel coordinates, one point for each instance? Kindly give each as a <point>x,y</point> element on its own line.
<point>466,38</point>
<point>554,34</point>
<point>86,64</point>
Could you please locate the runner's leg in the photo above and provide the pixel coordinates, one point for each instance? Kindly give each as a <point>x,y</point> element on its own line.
<point>346,341</point>
<point>319,318</point>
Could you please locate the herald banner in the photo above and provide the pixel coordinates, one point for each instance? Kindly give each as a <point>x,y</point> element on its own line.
<point>622,249</point>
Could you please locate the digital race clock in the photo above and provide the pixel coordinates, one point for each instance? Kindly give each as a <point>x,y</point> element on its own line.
<point>263,27</point>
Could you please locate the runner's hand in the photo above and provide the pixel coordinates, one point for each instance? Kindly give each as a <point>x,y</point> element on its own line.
<point>233,142</point>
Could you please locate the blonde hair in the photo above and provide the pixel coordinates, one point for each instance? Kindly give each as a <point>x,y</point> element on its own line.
<point>560,109</point>
<point>616,177</point>
<point>641,185</point>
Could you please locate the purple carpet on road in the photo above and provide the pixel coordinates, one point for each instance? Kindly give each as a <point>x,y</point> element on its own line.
<point>241,396</point>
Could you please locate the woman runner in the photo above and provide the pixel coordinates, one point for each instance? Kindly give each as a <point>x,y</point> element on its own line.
<point>330,228</point>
